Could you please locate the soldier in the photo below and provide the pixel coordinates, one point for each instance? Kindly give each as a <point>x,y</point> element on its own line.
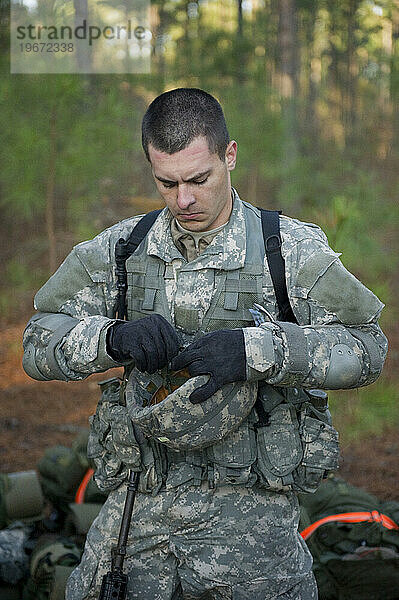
<point>221,457</point>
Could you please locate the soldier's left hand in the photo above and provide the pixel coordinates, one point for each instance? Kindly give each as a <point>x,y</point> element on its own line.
<point>219,354</point>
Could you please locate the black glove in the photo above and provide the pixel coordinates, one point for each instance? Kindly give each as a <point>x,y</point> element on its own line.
<point>220,354</point>
<point>151,342</point>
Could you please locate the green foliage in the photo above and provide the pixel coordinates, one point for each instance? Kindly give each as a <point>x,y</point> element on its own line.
<point>20,275</point>
<point>339,125</point>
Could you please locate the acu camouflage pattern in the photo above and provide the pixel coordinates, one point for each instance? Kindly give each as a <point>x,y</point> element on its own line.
<point>181,425</point>
<point>229,292</point>
<point>14,561</point>
<point>190,542</point>
<point>278,354</point>
<point>84,287</point>
<point>112,444</point>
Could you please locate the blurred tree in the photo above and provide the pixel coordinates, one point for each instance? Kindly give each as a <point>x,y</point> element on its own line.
<point>311,69</point>
<point>394,74</point>
<point>288,67</point>
<point>310,90</point>
<point>82,50</point>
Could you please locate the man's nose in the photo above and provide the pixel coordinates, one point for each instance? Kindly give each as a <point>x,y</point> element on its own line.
<point>184,197</point>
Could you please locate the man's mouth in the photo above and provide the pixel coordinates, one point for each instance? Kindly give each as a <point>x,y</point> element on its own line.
<point>188,215</point>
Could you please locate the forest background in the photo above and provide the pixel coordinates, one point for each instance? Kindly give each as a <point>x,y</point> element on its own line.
<point>310,90</point>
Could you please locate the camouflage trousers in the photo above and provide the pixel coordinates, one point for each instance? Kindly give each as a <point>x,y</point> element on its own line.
<point>195,543</point>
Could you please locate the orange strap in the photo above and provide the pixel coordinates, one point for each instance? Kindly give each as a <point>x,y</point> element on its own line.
<point>351,517</point>
<point>80,494</point>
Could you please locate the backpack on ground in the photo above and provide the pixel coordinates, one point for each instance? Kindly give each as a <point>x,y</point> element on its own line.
<point>354,541</point>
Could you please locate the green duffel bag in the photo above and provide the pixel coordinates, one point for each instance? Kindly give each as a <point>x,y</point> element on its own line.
<point>21,497</point>
<point>51,563</point>
<point>61,471</point>
<point>80,518</point>
<point>354,541</point>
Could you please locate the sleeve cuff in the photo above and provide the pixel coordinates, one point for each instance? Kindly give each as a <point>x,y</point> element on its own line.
<point>103,357</point>
<point>260,351</point>
<point>84,350</point>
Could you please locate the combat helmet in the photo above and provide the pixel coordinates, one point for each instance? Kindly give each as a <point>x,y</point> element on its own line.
<point>159,404</point>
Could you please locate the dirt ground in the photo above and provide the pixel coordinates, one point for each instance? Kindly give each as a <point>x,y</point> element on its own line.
<point>36,415</point>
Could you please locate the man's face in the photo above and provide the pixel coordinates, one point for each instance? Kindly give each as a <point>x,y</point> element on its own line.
<point>195,183</point>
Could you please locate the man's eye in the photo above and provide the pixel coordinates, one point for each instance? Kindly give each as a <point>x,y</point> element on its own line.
<point>201,182</point>
<point>168,185</point>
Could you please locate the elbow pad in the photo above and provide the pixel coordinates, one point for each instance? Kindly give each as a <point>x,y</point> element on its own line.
<point>43,325</point>
<point>29,364</point>
<point>344,370</point>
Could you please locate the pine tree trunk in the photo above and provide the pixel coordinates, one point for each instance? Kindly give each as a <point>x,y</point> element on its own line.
<point>239,57</point>
<point>50,190</point>
<point>312,77</point>
<point>394,77</point>
<point>82,50</point>
<point>351,75</point>
<point>289,88</point>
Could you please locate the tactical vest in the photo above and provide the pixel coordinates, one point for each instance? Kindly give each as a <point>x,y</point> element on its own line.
<point>234,291</point>
<point>286,443</point>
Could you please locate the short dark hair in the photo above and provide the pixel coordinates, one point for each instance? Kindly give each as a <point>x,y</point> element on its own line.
<point>175,118</point>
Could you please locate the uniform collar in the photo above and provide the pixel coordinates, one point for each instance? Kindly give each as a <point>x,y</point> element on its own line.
<point>226,251</point>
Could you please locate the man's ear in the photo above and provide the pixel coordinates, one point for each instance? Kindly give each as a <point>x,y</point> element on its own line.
<point>231,155</point>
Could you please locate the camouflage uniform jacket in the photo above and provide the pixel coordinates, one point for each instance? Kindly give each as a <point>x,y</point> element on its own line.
<point>336,314</point>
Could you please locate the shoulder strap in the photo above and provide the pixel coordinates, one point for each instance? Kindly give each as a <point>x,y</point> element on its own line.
<point>140,231</point>
<point>275,260</point>
<point>124,249</point>
<point>272,240</point>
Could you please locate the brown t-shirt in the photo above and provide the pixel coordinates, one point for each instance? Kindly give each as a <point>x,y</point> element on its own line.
<point>190,243</point>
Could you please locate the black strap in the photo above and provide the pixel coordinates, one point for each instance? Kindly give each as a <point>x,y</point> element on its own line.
<point>140,231</point>
<point>275,260</point>
<point>124,249</point>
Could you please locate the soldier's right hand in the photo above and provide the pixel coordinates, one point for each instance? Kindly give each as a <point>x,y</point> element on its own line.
<point>151,342</point>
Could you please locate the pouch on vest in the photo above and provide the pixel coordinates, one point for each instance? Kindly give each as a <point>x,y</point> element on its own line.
<point>279,448</point>
<point>296,444</point>
<point>320,449</point>
<point>112,444</point>
<point>233,457</point>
